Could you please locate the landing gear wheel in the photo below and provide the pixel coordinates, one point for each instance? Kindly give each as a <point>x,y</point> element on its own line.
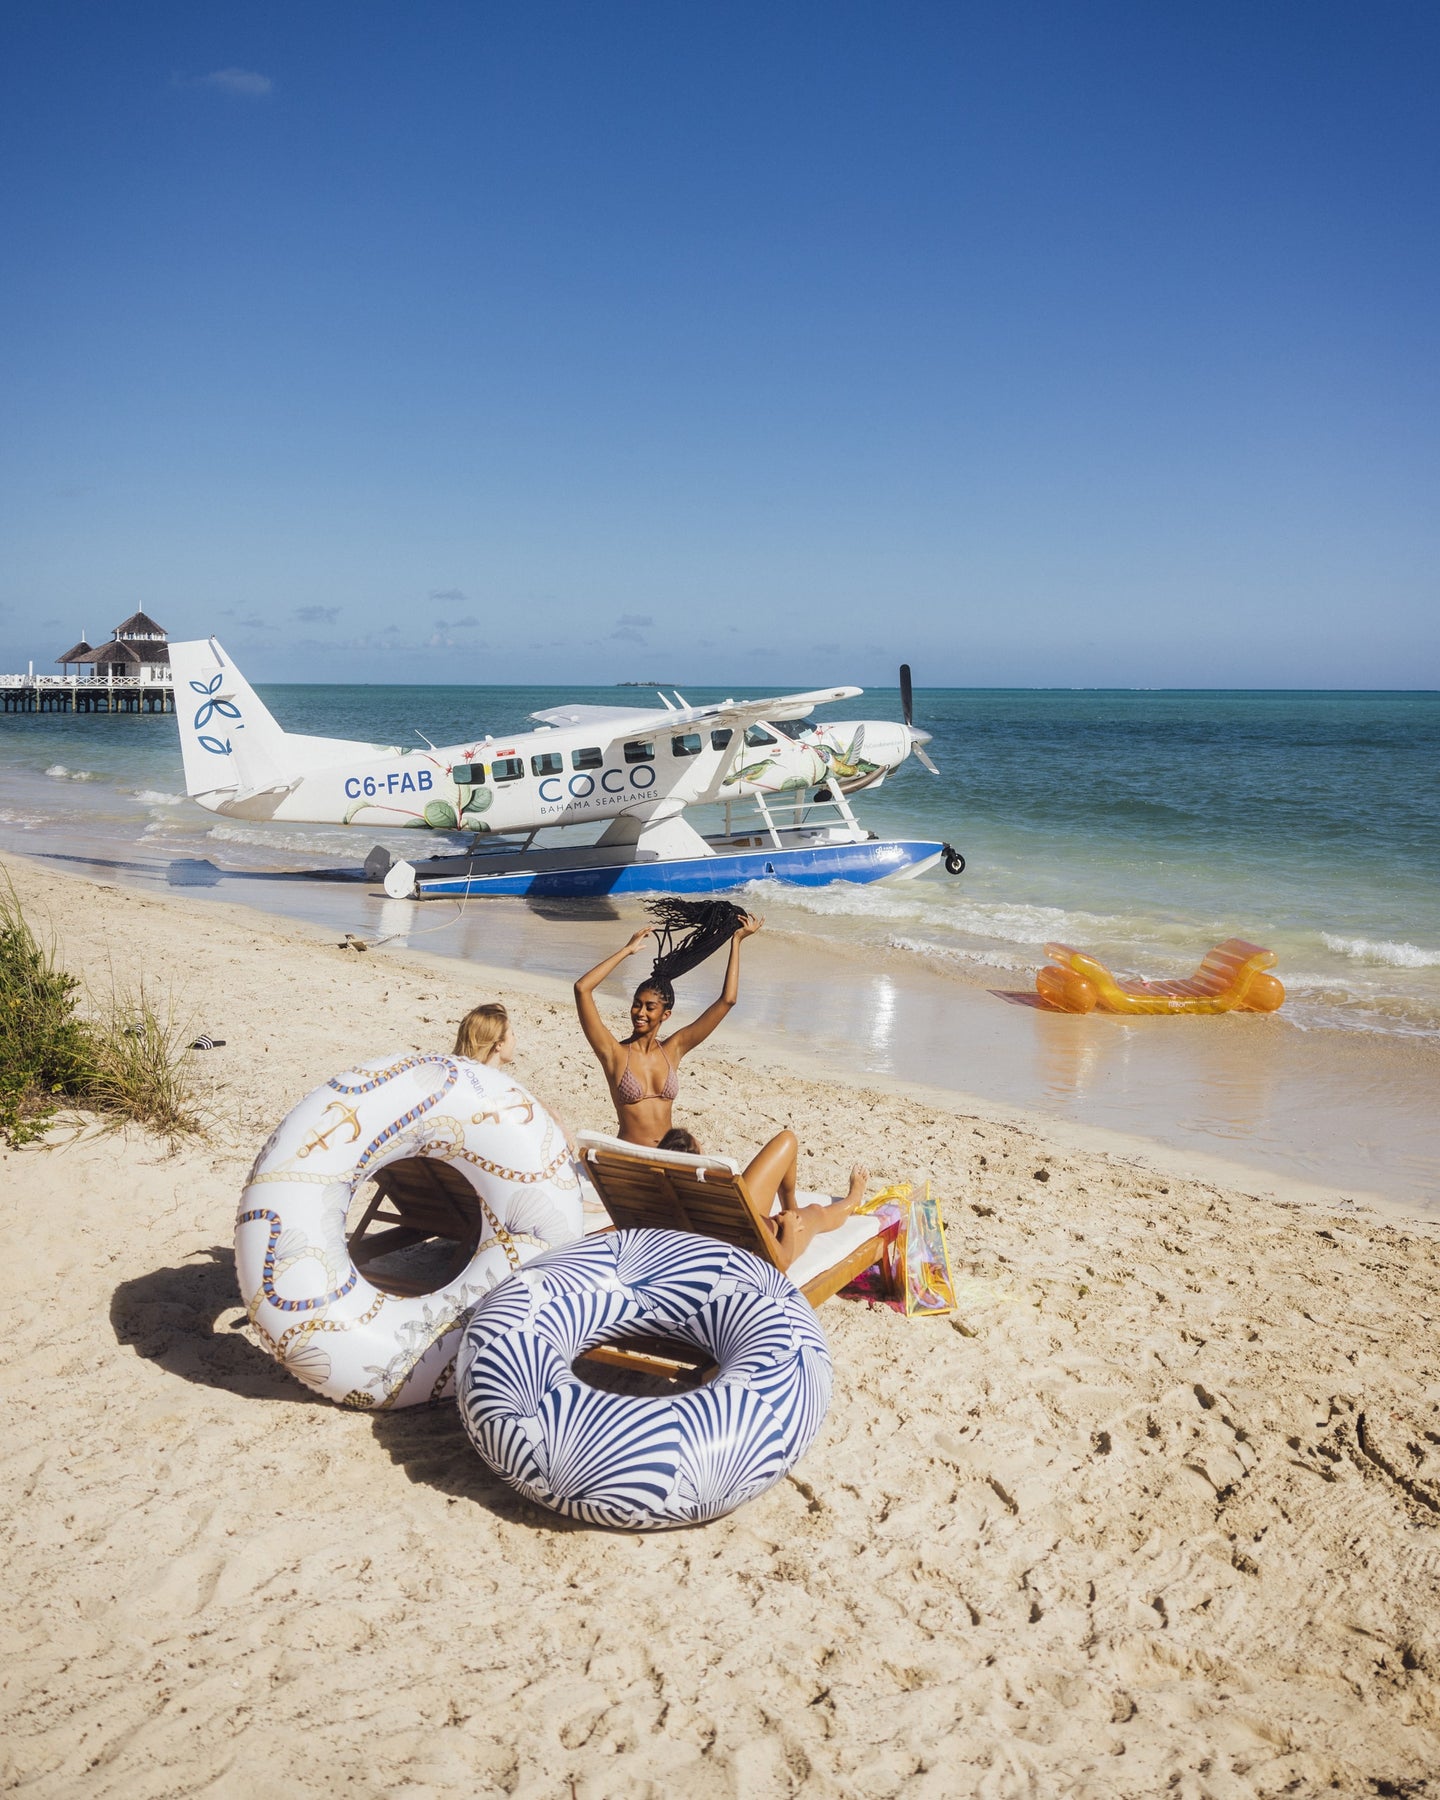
<point>954,861</point>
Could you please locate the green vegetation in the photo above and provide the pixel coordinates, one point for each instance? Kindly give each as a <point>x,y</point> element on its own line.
<point>128,1061</point>
<point>141,1068</point>
<point>45,1049</point>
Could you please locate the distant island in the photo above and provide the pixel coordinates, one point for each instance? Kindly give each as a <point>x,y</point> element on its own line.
<point>654,684</point>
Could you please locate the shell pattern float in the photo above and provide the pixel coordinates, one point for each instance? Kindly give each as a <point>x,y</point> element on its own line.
<point>306,1301</point>
<point>637,1462</point>
<point>1232,978</point>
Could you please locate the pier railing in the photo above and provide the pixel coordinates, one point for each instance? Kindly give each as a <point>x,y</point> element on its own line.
<point>72,694</point>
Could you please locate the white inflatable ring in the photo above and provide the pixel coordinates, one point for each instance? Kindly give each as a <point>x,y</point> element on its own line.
<point>309,1305</point>
<point>616,1459</point>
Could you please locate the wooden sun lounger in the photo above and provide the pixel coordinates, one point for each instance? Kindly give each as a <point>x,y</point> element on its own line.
<point>663,1189</point>
<point>422,1199</point>
<point>416,1201</point>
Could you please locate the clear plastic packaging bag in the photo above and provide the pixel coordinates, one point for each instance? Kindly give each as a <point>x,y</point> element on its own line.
<point>917,1258</point>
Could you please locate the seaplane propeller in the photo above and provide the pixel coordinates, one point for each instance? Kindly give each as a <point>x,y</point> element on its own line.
<point>918,739</point>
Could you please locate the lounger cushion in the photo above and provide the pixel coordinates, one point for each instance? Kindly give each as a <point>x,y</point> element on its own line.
<point>597,1140</point>
<point>830,1247</point>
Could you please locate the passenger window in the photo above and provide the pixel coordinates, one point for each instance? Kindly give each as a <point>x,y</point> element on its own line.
<point>639,753</point>
<point>756,735</point>
<point>549,762</point>
<point>720,740</point>
<point>589,758</point>
<point>688,745</point>
<point>507,768</point>
<point>468,774</point>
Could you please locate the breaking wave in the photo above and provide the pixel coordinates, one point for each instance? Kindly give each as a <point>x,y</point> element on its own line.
<point>918,903</point>
<point>1381,951</point>
<point>952,953</point>
<point>58,772</point>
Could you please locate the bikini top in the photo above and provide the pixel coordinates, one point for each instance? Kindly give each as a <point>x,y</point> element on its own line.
<point>629,1091</point>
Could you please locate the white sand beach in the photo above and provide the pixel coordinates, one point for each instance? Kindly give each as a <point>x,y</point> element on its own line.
<point>1159,1512</point>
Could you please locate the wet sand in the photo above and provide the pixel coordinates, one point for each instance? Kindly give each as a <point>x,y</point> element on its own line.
<point>1158,1513</point>
<point>1344,1109</point>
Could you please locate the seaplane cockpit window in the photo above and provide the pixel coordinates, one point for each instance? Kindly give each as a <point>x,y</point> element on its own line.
<point>755,735</point>
<point>468,774</point>
<point>792,728</point>
<point>507,768</point>
<point>591,757</point>
<point>686,745</point>
<point>639,752</point>
<point>720,740</point>
<point>549,762</point>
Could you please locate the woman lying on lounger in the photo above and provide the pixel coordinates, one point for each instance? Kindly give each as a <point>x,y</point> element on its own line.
<point>771,1175</point>
<point>643,1071</point>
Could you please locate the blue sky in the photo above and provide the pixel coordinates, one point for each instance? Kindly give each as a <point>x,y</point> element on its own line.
<point>1054,344</point>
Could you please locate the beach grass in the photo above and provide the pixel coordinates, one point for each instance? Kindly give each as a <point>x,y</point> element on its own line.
<point>45,1047</point>
<point>140,1069</point>
<point>126,1059</point>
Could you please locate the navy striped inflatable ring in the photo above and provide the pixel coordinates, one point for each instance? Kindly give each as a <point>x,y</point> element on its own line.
<point>624,1460</point>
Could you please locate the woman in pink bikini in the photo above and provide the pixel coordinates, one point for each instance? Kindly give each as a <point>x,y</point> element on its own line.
<point>643,1071</point>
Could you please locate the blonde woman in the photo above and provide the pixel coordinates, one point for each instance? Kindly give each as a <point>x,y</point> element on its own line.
<point>485,1035</point>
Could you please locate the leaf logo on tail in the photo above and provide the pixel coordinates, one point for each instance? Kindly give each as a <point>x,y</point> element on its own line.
<point>207,710</point>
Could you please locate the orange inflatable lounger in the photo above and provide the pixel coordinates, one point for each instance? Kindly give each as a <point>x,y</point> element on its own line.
<point>1232,978</point>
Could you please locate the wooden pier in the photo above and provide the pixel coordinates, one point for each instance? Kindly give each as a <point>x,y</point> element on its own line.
<point>69,694</point>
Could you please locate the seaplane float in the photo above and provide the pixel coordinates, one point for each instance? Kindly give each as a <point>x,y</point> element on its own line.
<point>632,773</point>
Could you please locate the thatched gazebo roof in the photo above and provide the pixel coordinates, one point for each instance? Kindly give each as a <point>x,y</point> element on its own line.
<point>141,625</point>
<point>75,654</point>
<point>117,652</point>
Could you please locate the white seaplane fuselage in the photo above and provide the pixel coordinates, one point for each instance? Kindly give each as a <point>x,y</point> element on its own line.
<point>632,771</point>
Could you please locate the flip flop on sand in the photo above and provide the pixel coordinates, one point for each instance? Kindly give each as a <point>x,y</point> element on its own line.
<point>208,1043</point>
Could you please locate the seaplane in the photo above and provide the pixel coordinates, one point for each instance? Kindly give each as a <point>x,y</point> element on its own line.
<point>629,774</point>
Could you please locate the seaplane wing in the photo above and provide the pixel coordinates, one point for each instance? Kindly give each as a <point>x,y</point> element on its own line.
<point>601,717</point>
<point>780,706</point>
<point>622,720</point>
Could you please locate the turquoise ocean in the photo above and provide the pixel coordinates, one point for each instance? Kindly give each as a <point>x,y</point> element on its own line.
<point>1142,826</point>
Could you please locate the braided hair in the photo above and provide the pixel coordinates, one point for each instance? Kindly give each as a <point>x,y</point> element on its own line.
<point>687,932</point>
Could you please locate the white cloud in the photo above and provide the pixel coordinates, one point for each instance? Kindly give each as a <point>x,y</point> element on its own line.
<point>245,83</point>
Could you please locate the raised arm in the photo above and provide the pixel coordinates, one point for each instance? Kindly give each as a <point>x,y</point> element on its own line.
<point>699,1029</point>
<point>597,1033</point>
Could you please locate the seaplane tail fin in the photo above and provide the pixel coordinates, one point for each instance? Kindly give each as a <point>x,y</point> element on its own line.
<point>229,740</point>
